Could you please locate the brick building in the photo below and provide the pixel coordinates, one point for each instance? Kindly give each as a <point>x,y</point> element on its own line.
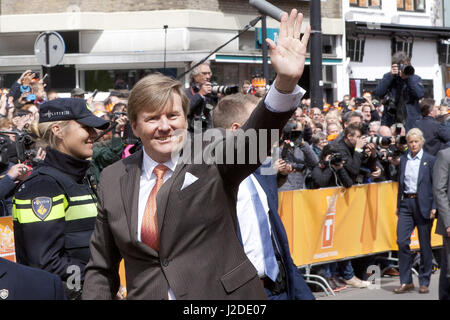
<point>110,39</point>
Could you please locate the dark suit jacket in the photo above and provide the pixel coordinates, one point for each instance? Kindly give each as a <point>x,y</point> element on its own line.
<point>436,135</point>
<point>200,256</point>
<point>441,190</point>
<point>424,184</point>
<point>297,289</point>
<point>26,283</point>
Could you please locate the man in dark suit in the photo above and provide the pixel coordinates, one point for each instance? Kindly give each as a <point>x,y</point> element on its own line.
<point>441,192</point>
<point>231,113</point>
<point>19,282</point>
<point>415,207</point>
<point>175,222</point>
<point>436,134</point>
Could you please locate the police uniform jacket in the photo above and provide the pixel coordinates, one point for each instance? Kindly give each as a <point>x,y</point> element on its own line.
<point>54,212</point>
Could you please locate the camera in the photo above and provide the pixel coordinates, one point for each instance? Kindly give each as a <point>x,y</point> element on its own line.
<point>379,141</point>
<point>393,152</point>
<point>407,70</point>
<point>389,104</point>
<point>360,101</point>
<point>118,114</point>
<point>20,150</point>
<point>225,90</point>
<point>336,159</point>
<point>401,140</point>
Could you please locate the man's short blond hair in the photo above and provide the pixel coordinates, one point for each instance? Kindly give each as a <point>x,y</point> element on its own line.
<point>152,93</point>
<point>233,109</point>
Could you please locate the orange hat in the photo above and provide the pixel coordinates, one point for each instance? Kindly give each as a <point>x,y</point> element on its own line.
<point>447,92</point>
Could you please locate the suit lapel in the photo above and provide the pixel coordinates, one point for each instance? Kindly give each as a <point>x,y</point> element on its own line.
<point>422,168</point>
<point>129,186</point>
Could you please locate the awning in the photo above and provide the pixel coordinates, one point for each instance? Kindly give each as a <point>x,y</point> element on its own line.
<point>229,58</point>
<point>355,28</point>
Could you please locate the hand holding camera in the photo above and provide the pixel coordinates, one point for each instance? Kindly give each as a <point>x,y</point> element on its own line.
<point>205,88</point>
<point>121,122</point>
<point>18,172</point>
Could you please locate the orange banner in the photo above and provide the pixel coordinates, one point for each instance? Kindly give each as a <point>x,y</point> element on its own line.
<point>336,223</point>
<point>7,249</point>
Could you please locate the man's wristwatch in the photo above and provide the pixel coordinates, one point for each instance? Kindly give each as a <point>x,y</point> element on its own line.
<point>359,150</point>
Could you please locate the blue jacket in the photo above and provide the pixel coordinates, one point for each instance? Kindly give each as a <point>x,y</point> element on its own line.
<point>19,282</point>
<point>412,89</point>
<point>424,184</point>
<point>297,288</point>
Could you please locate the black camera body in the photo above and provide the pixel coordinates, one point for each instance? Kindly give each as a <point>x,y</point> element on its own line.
<point>390,104</point>
<point>19,150</point>
<point>336,159</point>
<point>406,69</point>
<point>360,101</point>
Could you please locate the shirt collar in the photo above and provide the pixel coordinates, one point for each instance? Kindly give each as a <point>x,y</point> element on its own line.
<point>149,164</point>
<point>418,155</point>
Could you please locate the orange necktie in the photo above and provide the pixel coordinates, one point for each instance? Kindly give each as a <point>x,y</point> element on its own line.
<point>149,229</point>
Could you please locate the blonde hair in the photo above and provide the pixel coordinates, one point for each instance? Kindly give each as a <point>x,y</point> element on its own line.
<point>44,133</point>
<point>152,93</point>
<point>415,132</point>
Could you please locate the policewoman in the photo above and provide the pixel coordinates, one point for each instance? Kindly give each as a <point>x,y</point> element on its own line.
<point>54,209</point>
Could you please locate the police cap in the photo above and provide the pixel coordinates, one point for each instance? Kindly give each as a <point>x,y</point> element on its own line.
<point>70,109</point>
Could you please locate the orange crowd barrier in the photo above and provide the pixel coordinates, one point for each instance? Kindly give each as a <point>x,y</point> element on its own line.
<point>337,223</point>
<point>7,249</point>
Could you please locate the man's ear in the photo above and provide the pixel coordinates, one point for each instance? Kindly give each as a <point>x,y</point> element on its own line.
<point>133,128</point>
<point>235,126</point>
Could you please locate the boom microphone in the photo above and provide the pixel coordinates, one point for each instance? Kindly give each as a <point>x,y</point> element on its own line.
<point>267,8</point>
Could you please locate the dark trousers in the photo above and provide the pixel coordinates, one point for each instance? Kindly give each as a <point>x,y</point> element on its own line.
<point>409,216</point>
<point>444,283</point>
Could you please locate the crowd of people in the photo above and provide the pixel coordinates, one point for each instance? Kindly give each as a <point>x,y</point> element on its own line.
<point>83,178</point>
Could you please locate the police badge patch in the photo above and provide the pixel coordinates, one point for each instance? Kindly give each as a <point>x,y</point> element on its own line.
<point>41,207</point>
<point>4,293</point>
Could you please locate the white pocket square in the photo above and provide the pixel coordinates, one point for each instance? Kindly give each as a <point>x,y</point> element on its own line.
<point>189,179</point>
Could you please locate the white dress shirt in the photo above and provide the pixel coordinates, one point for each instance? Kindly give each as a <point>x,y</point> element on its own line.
<point>148,181</point>
<point>248,223</point>
<point>412,172</point>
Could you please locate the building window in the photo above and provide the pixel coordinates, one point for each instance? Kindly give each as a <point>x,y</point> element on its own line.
<point>402,45</point>
<point>355,49</point>
<point>366,3</point>
<point>444,52</point>
<point>411,5</point>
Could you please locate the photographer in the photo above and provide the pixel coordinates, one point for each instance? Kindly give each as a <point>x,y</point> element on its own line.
<point>389,154</point>
<point>401,91</point>
<point>354,149</point>
<point>297,154</point>
<point>109,151</point>
<point>330,170</point>
<point>200,101</point>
